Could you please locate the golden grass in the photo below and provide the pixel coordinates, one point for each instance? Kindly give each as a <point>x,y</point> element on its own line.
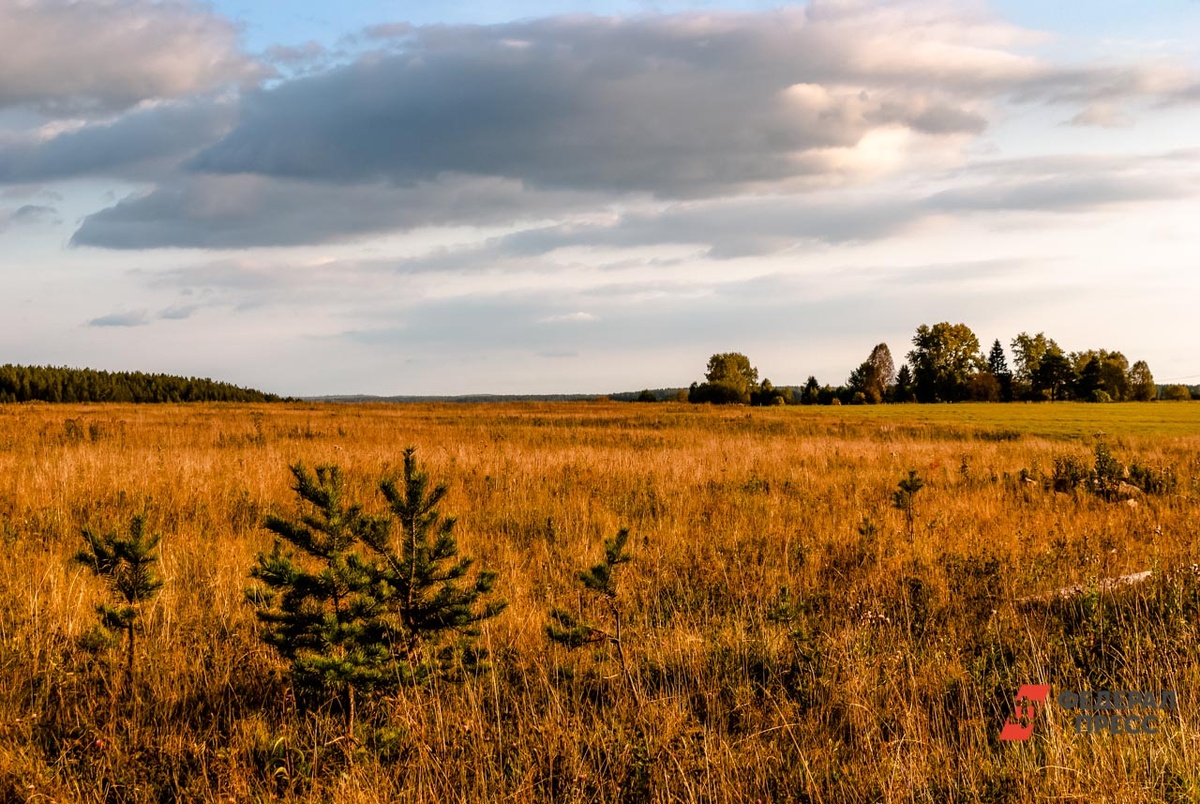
<point>782,654</point>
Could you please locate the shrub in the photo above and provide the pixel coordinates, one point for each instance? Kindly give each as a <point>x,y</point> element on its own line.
<point>1154,480</point>
<point>1070,473</point>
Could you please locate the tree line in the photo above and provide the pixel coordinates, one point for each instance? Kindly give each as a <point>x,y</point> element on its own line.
<point>946,364</point>
<point>53,384</point>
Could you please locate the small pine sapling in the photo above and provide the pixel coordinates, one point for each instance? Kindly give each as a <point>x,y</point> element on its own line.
<point>127,564</point>
<point>904,497</point>
<point>320,609</point>
<point>423,582</point>
<point>573,631</point>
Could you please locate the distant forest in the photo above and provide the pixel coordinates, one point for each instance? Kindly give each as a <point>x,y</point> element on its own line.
<point>946,364</point>
<point>50,384</point>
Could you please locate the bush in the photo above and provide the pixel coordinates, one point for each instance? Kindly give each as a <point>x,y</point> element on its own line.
<point>1153,480</point>
<point>717,393</point>
<point>1177,393</point>
<point>1099,396</point>
<point>1070,473</point>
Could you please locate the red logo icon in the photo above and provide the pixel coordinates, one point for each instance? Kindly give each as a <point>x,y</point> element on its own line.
<point>1030,698</point>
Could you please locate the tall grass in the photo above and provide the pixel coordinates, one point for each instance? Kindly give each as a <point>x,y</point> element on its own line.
<point>787,640</point>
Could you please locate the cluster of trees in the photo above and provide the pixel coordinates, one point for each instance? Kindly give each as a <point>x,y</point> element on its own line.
<point>946,364</point>
<point>49,384</point>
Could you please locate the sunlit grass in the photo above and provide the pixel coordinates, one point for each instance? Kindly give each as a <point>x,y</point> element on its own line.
<point>788,640</point>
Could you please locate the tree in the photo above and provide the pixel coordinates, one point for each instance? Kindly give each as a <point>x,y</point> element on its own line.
<point>998,366</point>
<point>768,394</point>
<point>904,499</point>
<point>574,631</point>
<point>421,574</point>
<point>127,564</point>
<point>1111,374</point>
<point>730,379</point>
<point>1091,380</point>
<point>1054,375</point>
<point>904,385</point>
<point>943,358</point>
<point>1141,382</point>
<point>732,368</point>
<point>1028,351</point>
<point>812,391</point>
<point>984,387</point>
<point>1176,393</point>
<point>320,609</point>
<point>874,377</point>
<point>350,620</point>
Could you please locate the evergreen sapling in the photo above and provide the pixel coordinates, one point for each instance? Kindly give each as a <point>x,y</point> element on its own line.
<point>353,612</point>
<point>127,564</point>
<point>320,609</point>
<point>904,497</point>
<point>573,631</point>
<point>422,582</point>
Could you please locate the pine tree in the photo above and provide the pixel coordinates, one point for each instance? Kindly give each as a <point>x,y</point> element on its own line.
<point>420,575</point>
<point>127,564</point>
<point>998,366</point>
<point>352,613</point>
<point>573,631</point>
<point>904,385</point>
<point>320,609</point>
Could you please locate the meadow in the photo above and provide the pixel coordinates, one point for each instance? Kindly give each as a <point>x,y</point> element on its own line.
<point>787,639</point>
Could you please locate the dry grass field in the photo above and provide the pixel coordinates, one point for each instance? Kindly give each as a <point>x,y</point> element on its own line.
<point>787,639</point>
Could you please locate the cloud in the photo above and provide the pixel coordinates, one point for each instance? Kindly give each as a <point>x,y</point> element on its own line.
<point>1102,115</point>
<point>743,134</point>
<point>136,318</point>
<point>680,106</point>
<point>297,56</point>
<point>568,318</point>
<point>31,214</point>
<point>178,312</point>
<point>246,210</point>
<point>1070,183</point>
<point>162,132</point>
<point>63,56</point>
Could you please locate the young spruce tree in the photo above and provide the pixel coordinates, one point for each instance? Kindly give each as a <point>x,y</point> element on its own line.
<point>354,614</point>
<point>573,631</point>
<point>320,609</point>
<point>422,580</point>
<point>127,564</point>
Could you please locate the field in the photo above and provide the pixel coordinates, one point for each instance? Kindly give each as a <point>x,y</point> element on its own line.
<point>787,639</point>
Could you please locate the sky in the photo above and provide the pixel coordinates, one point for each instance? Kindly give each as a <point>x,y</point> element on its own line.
<point>536,196</point>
